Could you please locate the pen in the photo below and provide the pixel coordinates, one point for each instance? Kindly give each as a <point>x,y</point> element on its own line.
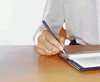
<point>49,30</point>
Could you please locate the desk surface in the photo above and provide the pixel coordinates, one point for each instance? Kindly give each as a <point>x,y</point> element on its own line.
<point>23,64</point>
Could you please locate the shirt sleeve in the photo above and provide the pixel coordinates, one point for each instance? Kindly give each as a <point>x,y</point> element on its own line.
<point>53,15</point>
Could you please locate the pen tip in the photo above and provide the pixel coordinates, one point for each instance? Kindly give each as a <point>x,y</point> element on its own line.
<point>62,50</point>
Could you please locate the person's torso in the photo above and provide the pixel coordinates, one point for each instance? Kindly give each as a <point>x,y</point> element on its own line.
<point>81,18</point>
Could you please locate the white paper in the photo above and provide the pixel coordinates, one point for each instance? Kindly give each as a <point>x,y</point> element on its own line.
<point>86,60</point>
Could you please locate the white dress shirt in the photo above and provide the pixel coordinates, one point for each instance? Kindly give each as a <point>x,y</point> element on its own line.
<point>82,19</point>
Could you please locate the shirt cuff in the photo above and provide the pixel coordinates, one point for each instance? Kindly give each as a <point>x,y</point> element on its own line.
<point>36,37</point>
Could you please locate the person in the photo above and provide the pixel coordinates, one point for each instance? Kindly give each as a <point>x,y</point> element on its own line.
<point>82,19</point>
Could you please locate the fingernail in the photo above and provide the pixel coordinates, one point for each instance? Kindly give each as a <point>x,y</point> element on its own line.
<point>61,48</point>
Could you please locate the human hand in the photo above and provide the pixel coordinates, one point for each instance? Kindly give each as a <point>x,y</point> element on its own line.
<point>48,45</point>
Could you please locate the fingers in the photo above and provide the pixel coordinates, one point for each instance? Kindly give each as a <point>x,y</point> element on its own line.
<point>41,51</point>
<point>52,40</point>
<point>48,45</point>
<point>51,47</point>
<point>46,51</point>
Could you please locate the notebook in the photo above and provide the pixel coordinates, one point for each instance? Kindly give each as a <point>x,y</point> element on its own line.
<point>83,62</point>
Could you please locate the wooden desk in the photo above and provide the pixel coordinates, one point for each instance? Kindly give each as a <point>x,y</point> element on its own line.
<point>23,64</point>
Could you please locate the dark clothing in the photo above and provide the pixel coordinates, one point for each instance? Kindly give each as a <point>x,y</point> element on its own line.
<point>73,42</point>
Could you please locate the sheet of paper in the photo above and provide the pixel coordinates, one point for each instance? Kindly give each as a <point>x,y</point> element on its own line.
<point>86,60</point>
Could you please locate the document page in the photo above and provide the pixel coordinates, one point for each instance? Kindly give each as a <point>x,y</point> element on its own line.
<point>86,60</point>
